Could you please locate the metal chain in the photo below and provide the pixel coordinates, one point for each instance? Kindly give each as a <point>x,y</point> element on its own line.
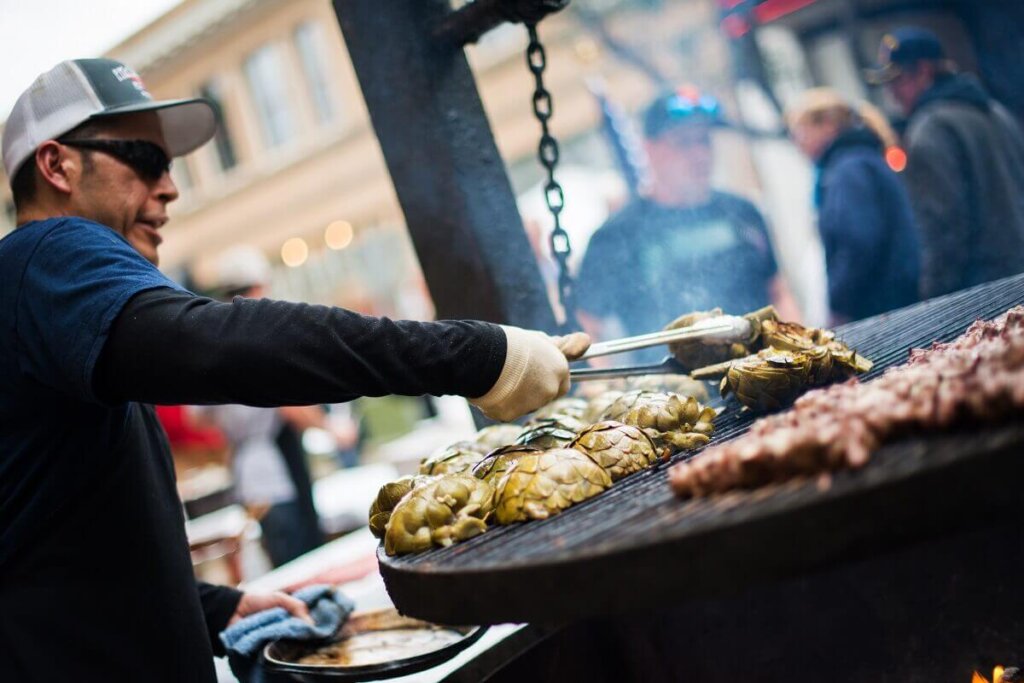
<point>554,196</point>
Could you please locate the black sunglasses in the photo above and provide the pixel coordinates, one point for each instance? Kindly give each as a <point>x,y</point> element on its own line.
<point>146,158</point>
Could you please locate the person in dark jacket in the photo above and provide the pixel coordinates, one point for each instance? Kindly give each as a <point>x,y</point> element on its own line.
<point>965,165</point>
<point>96,582</point>
<point>864,215</point>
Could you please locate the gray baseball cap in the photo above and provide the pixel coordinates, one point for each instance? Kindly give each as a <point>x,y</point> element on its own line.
<point>80,90</point>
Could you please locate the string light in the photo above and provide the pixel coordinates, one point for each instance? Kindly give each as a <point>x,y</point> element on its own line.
<point>338,234</point>
<point>294,252</point>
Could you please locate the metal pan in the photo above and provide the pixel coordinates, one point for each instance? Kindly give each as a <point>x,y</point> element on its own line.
<point>372,645</point>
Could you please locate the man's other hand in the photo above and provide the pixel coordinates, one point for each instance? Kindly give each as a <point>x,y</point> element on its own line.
<point>251,603</point>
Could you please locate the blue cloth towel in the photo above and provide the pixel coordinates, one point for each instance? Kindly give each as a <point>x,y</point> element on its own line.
<point>328,607</point>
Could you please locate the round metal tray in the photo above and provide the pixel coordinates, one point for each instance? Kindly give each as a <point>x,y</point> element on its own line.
<point>414,655</point>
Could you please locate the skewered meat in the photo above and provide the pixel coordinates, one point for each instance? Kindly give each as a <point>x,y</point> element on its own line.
<point>978,377</point>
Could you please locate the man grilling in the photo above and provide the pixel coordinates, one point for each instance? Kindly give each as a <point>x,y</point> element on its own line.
<point>683,247</point>
<point>965,165</point>
<point>95,577</point>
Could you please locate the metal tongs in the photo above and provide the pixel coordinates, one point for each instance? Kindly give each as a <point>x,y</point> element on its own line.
<point>726,329</point>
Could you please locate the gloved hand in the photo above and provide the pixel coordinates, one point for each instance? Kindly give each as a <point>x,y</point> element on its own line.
<point>536,372</point>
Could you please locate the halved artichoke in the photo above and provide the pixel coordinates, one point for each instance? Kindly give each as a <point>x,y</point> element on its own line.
<point>499,461</point>
<point>697,354</point>
<point>453,508</point>
<point>680,422</point>
<point>496,436</point>
<point>543,484</point>
<point>567,405</point>
<point>618,448</point>
<point>459,457</point>
<point>545,434</point>
<point>388,497</point>
<point>600,403</point>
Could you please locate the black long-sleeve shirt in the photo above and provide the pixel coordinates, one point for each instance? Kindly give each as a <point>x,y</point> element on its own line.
<point>96,582</point>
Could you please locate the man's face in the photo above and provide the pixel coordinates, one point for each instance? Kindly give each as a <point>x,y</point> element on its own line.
<point>909,85</point>
<point>680,160</point>
<point>111,192</point>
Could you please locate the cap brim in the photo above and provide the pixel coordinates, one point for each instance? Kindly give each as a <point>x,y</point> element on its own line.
<point>882,75</point>
<point>187,124</point>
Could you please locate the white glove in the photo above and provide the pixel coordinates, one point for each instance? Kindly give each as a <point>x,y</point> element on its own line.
<point>535,373</point>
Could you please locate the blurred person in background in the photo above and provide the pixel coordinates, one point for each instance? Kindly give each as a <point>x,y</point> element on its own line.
<point>268,462</point>
<point>684,246</point>
<point>96,582</point>
<point>965,165</point>
<point>864,215</point>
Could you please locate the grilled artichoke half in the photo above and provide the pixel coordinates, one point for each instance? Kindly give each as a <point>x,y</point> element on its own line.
<point>388,497</point>
<point>798,358</point>
<point>496,436</point>
<point>543,484</point>
<point>459,457</point>
<point>618,448</point>
<point>597,406</point>
<point>669,419</point>
<point>453,508</point>
<point>545,434</point>
<point>499,461</point>
<point>697,354</point>
<point>565,406</point>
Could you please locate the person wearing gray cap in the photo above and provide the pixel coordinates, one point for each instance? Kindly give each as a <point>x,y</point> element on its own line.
<point>96,581</point>
<point>965,165</point>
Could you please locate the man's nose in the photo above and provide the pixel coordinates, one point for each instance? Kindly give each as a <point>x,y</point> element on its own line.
<point>165,189</point>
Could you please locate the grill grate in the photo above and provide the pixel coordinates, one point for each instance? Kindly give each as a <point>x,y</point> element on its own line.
<point>642,507</point>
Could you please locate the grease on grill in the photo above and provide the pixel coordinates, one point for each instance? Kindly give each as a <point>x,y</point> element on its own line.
<point>378,637</point>
<point>377,647</point>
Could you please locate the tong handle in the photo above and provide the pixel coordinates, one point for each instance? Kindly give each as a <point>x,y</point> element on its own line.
<point>724,329</point>
<point>669,366</point>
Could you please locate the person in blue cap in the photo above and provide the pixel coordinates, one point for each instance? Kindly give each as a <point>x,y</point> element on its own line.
<point>684,246</point>
<point>965,165</point>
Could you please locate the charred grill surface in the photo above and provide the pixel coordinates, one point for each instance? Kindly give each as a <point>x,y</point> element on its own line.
<point>636,546</point>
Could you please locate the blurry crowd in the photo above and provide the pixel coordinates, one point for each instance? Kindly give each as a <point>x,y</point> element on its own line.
<point>952,218</point>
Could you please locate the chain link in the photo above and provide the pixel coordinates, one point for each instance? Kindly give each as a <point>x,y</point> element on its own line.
<point>554,196</point>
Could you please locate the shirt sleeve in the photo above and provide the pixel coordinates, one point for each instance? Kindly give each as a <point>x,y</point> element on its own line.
<point>170,347</point>
<point>74,285</point>
<point>219,604</point>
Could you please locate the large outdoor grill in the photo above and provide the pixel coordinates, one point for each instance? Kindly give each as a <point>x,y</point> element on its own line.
<point>908,569</point>
<point>636,547</point>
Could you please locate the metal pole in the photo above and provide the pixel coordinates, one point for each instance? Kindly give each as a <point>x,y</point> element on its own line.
<point>450,180</point>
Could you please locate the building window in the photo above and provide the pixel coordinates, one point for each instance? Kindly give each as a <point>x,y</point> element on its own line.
<point>309,40</point>
<point>266,75</point>
<point>226,158</point>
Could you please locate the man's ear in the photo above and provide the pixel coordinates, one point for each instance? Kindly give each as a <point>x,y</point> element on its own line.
<point>57,168</point>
